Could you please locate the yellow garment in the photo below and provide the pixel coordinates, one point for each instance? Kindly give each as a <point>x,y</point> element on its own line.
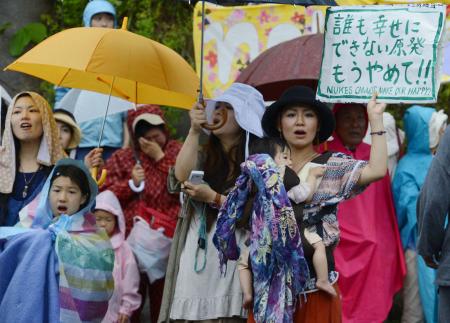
<point>50,150</point>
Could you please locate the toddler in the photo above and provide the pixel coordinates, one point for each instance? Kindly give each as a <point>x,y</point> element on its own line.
<point>299,193</point>
<point>126,298</point>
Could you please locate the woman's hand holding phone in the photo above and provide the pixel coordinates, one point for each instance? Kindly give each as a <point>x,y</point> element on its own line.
<point>199,192</point>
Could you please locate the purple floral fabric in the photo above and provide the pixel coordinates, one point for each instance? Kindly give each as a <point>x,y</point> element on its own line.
<point>276,256</point>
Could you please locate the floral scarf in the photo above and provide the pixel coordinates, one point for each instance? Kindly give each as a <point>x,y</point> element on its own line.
<point>276,255</point>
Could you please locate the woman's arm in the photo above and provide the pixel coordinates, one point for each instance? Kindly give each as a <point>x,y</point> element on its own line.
<point>377,166</point>
<point>187,158</point>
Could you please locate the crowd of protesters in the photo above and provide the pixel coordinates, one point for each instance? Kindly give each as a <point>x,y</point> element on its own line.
<point>303,213</point>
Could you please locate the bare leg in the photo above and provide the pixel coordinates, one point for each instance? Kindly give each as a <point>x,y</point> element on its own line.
<point>245,277</point>
<point>321,267</point>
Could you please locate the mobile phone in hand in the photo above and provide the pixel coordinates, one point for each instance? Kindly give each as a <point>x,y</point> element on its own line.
<point>196,177</point>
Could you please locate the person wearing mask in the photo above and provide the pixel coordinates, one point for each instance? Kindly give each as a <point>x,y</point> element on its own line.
<point>424,128</point>
<point>29,149</point>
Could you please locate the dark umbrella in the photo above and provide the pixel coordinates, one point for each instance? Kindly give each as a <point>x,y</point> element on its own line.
<point>236,2</point>
<point>294,62</point>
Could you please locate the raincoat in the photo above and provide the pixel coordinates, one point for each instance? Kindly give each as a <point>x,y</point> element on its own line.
<point>19,256</point>
<point>408,180</point>
<point>370,250</point>
<point>85,256</point>
<point>126,298</point>
<point>11,180</point>
<point>160,206</point>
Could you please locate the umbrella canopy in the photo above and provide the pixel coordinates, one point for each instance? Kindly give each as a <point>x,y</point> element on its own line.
<point>293,2</point>
<point>294,62</point>
<point>139,70</point>
<point>88,105</point>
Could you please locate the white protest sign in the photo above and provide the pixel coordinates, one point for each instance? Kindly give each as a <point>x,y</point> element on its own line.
<point>394,50</point>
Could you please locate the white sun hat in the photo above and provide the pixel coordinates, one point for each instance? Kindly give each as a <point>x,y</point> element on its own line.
<point>248,105</point>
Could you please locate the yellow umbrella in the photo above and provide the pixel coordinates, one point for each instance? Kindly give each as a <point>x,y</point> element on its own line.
<point>369,2</point>
<point>112,61</point>
<point>139,69</point>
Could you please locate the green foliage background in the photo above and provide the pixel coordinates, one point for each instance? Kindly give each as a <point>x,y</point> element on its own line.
<point>168,22</point>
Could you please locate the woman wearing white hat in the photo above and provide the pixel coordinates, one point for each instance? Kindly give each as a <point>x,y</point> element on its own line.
<point>194,288</point>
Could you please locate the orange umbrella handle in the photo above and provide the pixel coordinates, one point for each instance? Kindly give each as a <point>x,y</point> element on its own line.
<point>102,179</point>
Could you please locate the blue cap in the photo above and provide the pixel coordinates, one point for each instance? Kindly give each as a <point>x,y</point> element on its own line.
<point>98,6</point>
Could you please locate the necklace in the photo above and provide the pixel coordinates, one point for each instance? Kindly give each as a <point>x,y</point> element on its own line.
<point>27,183</point>
<point>305,161</point>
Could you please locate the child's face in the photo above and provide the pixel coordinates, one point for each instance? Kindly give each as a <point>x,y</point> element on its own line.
<point>282,158</point>
<point>102,20</point>
<point>106,221</point>
<point>65,196</point>
<point>65,134</point>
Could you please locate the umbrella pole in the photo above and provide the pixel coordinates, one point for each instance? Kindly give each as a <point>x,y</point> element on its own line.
<point>200,98</point>
<point>94,170</point>
<point>106,114</point>
<point>200,91</point>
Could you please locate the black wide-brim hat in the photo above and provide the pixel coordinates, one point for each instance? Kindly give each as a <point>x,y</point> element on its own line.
<point>298,95</point>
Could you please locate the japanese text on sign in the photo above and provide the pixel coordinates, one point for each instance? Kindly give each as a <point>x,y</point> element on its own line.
<point>393,50</point>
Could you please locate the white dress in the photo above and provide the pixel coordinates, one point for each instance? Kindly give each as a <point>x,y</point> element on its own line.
<point>208,294</point>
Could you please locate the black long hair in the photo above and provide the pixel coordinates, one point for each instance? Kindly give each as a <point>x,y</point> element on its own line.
<point>268,145</point>
<point>222,168</point>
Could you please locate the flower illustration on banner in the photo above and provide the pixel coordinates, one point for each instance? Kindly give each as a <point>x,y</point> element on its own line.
<point>212,77</point>
<point>211,58</point>
<point>267,31</point>
<point>235,17</point>
<point>264,17</point>
<point>298,18</point>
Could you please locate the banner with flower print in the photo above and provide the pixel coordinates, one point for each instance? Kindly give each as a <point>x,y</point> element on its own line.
<point>234,36</point>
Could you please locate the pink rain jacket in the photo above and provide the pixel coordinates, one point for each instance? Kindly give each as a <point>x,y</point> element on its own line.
<point>126,298</point>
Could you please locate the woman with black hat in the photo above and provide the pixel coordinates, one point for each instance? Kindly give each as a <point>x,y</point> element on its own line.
<point>304,122</point>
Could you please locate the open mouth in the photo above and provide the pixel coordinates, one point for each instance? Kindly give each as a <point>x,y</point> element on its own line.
<point>25,126</point>
<point>62,209</point>
<point>216,120</point>
<point>300,133</point>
